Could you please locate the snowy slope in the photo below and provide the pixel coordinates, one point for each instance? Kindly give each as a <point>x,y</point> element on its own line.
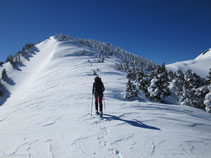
<point>48,113</point>
<point>205,55</point>
<point>200,65</point>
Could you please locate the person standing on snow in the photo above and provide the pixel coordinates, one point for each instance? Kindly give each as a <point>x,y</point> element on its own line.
<point>97,90</point>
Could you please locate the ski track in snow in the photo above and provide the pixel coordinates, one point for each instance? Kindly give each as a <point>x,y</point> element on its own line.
<point>50,117</point>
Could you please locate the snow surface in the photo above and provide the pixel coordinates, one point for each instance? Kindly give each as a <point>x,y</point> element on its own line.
<point>48,113</point>
<point>206,54</point>
<point>200,65</point>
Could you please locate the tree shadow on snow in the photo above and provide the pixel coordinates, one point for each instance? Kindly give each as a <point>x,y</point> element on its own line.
<point>134,122</point>
<point>9,81</point>
<point>30,53</point>
<point>18,66</point>
<point>6,94</point>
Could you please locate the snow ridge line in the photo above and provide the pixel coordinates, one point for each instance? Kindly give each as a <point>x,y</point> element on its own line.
<point>48,58</point>
<point>37,63</point>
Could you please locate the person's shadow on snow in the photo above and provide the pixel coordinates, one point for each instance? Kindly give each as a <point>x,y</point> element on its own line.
<point>134,122</point>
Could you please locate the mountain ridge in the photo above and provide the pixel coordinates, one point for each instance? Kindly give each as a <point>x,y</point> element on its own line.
<point>200,65</point>
<point>51,116</point>
<point>205,54</point>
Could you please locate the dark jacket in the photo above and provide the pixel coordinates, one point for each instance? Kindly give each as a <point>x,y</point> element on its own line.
<point>98,88</point>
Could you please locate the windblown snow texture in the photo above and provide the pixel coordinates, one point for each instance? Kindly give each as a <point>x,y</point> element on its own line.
<point>48,112</point>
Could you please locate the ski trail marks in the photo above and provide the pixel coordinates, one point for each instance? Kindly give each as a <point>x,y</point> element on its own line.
<point>153,148</point>
<point>49,148</point>
<point>76,141</point>
<point>21,149</point>
<point>2,118</point>
<point>29,149</point>
<point>107,140</point>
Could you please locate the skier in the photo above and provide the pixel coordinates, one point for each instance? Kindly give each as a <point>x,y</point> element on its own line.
<point>97,90</point>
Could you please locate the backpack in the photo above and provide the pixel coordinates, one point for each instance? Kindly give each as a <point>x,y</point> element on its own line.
<point>98,87</point>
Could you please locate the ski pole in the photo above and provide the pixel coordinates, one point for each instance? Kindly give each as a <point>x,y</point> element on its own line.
<point>104,104</point>
<point>91,104</point>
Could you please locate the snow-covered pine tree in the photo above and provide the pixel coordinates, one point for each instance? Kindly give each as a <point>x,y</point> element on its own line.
<point>187,90</point>
<point>140,75</point>
<point>158,88</point>
<point>193,90</point>
<point>171,75</point>
<point>62,37</point>
<point>199,97</point>
<point>119,66</point>
<point>131,91</point>
<point>176,84</point>
<point>131,74</point>
<point>13,60</point>
<point>154,93</point>
<point>28,46</point>
<point>21,53</point>
<point>4,75</point>
<point>143,81</point>
<point>10,59</point>
<point>209,77</point>
<point>128,60</point>
<point>17,60</point>
<point>200,89</point>
<point>164,78</point>
<point>207,100</point>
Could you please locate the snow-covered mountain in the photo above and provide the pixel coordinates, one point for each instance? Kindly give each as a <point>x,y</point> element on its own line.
<point>200,65</point>
<point>47,112</point>
<point>204,55</point>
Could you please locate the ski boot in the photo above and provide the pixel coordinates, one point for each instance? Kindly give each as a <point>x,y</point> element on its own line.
<point>97,113</point>
<point>101,114</point>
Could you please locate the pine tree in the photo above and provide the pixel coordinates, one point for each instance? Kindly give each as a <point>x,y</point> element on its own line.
<point>140,75</point>
<point>4,75</point>
<point>171,75</point>
<point>10,59</point>
<point>199,97</point>
<point>207,100</point>
<point>209,77</point>
<point>144,82</point>
<point>154,93</point>
<point>62,37</point>
<point>164,79</point>
<point>119,66</point>
<point>176,84</point>
<point>158,88</point>
<point>131,74</point>
<point>187,92</point>
<point>193,90</point>
<point>207,97</point>
<point>131,91</point>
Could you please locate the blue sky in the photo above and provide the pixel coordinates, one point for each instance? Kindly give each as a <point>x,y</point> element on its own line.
<point>159,30</point>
